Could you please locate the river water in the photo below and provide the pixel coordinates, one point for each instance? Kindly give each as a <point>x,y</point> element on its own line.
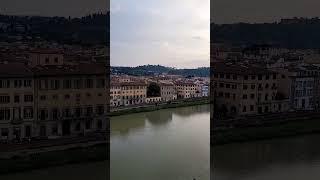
<point>170,144</point>
<point>294,158</point>
<point>173,144</point>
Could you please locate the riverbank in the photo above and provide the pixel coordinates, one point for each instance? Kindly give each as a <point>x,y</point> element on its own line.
<point>39,160</point>
<point>153,107</point>
<point>285,125</point>
<point>53,152</point>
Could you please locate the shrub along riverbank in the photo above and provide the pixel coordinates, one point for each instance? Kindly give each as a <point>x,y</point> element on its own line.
<point>283,128</point>
<point>154,107</point>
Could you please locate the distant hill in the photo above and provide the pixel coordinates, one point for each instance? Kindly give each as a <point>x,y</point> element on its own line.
<point>91,29</point>
<point>148,70</point>
<point>290,33</point>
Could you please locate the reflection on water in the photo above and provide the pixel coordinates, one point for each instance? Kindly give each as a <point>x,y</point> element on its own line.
<point>171,144</point>
<point>167,144</point>
<point>289,158</point>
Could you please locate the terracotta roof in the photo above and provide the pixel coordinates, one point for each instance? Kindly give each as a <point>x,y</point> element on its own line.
<point>14,70</point>
<point>81,69</point>
<point>238,69</point>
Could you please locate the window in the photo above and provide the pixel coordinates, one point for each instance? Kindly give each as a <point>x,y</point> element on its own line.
<point>267,77</point>
<point>47,59</point>
<point>16,98</point>
<point>221,75</point>
<point>228,76</point>
<point>245,87</point>
<point>67,84</point>
<point>245,77</point>
<point>252,96</point>
<point>28,131</point>
<point>77,111</point>
<point>234,77</point>
<point>43,114</point>
<point>67,112</point>
<point>244,109</point>
<point>100,83</point>
<point>227,85</point>
<point>27,83</point>
<point>67,96</point>
<point>55,84</point>
<point>17,83</point>
<point>253,77</point>
<point>4,132</point>
<point>55,96</point>
<point>88,124</point>
<point>43,98</point>
<point>78,84</point>
<point>43,84</point>
<point>28,113</point>
<point>28,98</point>
<point>221,85</point>
<point>100,110</point>
<point>56,59</point>
<point>89,111</point>
<point>55,113</point>
<point>274,76</point>
<point>227,95</point>
<point>251,107</point>
<point>266,97</point>
<point>89,83</point>
<point>259,77</point>
<point>253,86</point>
<point>245,96</point>
<point>267,86</point>
<point>4,99</point>
<point>4,114</point>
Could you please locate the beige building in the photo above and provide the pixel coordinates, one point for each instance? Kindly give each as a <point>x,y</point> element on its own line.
<point>186,89</point>
<point>244,90</point>
<point>49,98</point>
<point>115,94</point>
<point>16,102</point>
<point>133,93</point>
<point>168,91</point>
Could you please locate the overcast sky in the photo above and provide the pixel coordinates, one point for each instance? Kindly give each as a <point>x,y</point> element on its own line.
<point>230,11</point>
<point>167,32</point>
<point>74,8</point>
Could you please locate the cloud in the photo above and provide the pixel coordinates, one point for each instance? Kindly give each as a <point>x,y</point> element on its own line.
<point>161,32</point>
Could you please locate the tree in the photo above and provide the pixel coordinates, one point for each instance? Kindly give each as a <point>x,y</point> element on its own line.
<point>153,90</point>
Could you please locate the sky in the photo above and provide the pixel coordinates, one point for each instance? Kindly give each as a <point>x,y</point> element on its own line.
<point>172,33</point>
<point>231,11</point>
<point>73,8</point>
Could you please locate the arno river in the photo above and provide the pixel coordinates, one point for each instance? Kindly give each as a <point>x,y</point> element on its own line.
<point>173,144</point>
<point>170,144</point>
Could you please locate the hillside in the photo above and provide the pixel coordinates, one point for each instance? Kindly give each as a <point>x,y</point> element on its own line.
<point>148,70</point>
<point>293,33</point>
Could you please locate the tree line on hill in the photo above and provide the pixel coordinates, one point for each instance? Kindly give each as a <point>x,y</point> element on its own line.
<point>149,70</point>
<point>296,33</point>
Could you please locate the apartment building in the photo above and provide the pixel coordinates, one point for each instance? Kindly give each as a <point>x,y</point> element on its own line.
<point>133,93</point>
<point>168,91</point>
<point>70,100</point>
<point>49,98</point>
<point>245,90</point>
<point>115,94</point>
<point>301,85</point>
<point>186,89</point>
<point>16,102</point>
